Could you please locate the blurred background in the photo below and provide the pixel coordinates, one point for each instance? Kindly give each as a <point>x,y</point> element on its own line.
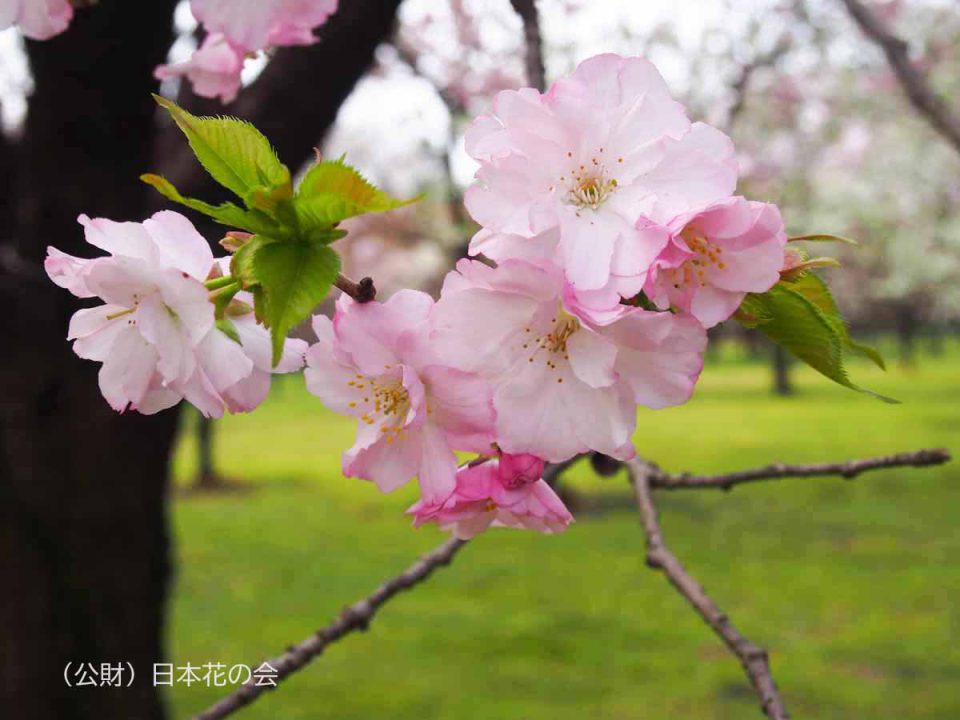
<point>137,539</point>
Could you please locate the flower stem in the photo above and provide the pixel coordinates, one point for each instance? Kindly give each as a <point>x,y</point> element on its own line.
<point>217,283</point>
<point>229,288</point>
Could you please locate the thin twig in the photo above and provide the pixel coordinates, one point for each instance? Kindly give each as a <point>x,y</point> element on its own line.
<point>849,470</point>
<point>353,618</point>
<point>533,57</point>
<point>741,85</point>
<point>924,98</point>
<point>752,658</point>
<point>363,291</point>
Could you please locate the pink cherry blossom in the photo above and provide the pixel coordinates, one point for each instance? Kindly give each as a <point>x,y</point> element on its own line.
<point>237,377</point>
<point>36,19</point>
<point>374,362</point>
<point>252,25</point>
<point>156,310</point>
<point>600,150</point>
<point>565,381</point>
<point>493,493</point>
<point>213,70</point>
<point>716,256</point>
<point>155,334</point>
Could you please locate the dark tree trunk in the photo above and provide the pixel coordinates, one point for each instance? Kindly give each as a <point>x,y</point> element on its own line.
<point>781,371</point>
<point>83,545</point>
<point>207,476</point>
<point>84,563</point>
<point>907,323</point>
<point>937,337</point>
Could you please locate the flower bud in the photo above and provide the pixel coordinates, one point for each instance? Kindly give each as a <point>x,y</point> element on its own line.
<point>518,470</point>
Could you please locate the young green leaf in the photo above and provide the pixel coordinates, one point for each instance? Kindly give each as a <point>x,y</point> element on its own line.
<point>293,277</point>
<point>824,238</point>
<point>320,213</point>
<point>815,289</point>
<point>241,264</point>
<point>233,151</point>
<point>226,213</point>
<point>796,321</point>
<point>332,191</point>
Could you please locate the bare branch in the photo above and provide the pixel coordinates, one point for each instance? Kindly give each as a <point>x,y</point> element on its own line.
<point>924,99</point>
<point>752,658</point>
<point>533,58</point>
<point>353,618</point>
<point>741,85</point>
<point>849,470</point>
<point>363,291</point>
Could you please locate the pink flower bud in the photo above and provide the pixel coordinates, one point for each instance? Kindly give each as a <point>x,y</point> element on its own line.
<point>518,470</point>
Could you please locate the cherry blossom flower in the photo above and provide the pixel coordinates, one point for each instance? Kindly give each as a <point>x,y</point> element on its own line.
<point>214,392</point>
<point>252,25</point>
<point>36,19</point>
<point>156,307</point>
<point>504,493</point>
<point>565,381</point>
<point>716,256</point>
<point>213,70</point>
<point>155,334</point>
<point>600,151</point>
<point>374,362</point>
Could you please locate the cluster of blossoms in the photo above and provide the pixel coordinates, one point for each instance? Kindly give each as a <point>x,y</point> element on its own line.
<point>237,29</point>
<point>617,242</point>
<point>612,241</point>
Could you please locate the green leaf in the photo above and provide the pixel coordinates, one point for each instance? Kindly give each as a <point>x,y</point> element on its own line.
<point>815,289</point>
<point>241,264</point>
<point>226,213</point>
<point>753,311</point>
<point>332,191</point>
<point>800,320</point>
<point>293,277</point>
<point>233,151</point>
<point>824,238</point>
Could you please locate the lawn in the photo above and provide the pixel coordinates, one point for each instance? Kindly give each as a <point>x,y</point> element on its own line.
<point>852,586</point>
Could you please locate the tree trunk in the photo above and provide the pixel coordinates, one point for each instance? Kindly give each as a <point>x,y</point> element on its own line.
<point>83,543</point>
<point>781,372</point>
<point>84,563</point>
<point>906,332</point>
<point>207,477</point>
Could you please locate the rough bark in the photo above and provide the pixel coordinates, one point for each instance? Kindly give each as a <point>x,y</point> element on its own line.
<point>83,546</point>
<point>84,561</point>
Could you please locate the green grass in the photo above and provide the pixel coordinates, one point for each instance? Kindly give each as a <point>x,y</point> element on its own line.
<point>852,586</point>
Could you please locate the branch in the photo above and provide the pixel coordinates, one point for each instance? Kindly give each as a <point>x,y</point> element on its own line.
<point>924,99</point>
<point>752,658</point>
<point>849,470</point>
<point>363,291</point>
<point>353,618</point>
<point>533,58</point>
<point>741,86</point>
